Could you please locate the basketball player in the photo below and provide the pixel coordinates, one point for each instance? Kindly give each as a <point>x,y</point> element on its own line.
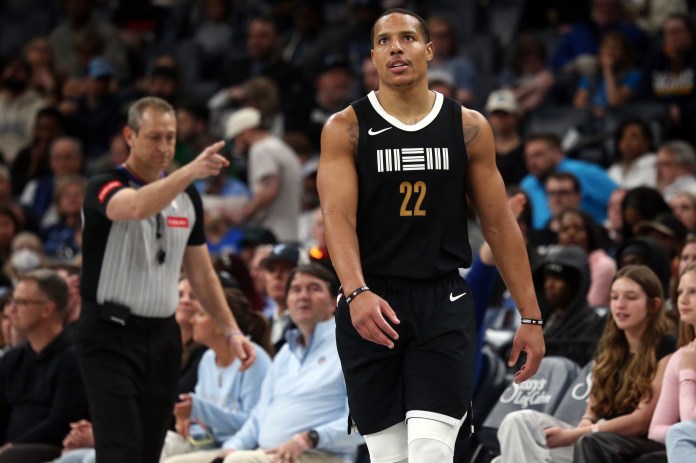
<point>395,170</point>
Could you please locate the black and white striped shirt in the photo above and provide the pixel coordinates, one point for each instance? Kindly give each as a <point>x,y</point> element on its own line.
<point>123,261</point>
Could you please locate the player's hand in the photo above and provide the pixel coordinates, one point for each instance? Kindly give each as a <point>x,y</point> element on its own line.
<point>244,349</point>
<point>367,313</point>
<point>530,339</point>
<point>209,163</point>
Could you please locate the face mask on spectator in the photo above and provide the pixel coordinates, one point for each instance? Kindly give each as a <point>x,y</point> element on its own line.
<point>25,260</point>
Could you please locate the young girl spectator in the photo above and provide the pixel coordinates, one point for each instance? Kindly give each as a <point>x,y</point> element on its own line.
<point>578,228</point>
<point>676,408</point>
<point>626,379</point>
<point>635,165</point>
<point>60,238</point>
<point>617,79</point>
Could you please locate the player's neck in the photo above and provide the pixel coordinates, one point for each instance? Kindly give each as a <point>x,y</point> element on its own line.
<point>407,105</point>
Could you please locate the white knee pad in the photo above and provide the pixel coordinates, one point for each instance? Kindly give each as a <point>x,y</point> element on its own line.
<point>389,445</point>
<point>431,436</point>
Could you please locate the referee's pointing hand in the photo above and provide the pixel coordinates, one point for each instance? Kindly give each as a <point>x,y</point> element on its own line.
<point>209,162</point>
<point>367,314</point>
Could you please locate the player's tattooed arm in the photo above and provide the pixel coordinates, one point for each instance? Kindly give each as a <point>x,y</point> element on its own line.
<point>353,137</point>
<point>471,133</point>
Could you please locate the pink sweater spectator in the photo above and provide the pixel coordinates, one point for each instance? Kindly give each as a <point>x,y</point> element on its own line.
<point>602,270</point>
<point>677,400</point>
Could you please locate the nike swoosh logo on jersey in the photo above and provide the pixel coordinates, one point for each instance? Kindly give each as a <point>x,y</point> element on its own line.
<point>454,298</point>
<point>377,132</point>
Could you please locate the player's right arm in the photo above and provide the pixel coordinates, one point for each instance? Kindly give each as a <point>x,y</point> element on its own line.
<point>337,181</point>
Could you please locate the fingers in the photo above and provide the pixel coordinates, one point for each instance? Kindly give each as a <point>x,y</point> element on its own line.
<point>245,351</point>
<point>529,368</point>
<point>514,354</point>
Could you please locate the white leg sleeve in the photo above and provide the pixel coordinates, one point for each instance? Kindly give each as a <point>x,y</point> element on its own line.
<point>431,437</point>
<point>389,445</point>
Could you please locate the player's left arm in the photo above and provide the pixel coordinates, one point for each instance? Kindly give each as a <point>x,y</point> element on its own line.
<point>486,189</point>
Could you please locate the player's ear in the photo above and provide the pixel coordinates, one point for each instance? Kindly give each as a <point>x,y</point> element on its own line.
<point>429,51</point>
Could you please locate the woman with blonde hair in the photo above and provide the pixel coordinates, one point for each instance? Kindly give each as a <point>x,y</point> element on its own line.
<point>675,414</point>
<point>626,378</point>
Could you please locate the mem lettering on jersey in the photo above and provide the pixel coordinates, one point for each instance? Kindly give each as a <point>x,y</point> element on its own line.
<point>405,159</point>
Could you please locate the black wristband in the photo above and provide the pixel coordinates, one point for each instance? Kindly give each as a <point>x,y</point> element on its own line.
<point>532,321</point>
<point>355,293</point>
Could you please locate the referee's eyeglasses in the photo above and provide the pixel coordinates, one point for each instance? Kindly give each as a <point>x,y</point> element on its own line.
<point>161,253</point>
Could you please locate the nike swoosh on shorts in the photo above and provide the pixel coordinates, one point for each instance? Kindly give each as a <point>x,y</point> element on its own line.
<point>454,298</point>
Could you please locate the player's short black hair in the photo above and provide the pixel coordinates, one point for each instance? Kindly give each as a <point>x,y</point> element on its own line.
<point>422,25</point>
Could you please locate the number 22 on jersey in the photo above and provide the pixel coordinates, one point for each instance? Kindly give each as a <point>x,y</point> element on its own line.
<point>417,190</point>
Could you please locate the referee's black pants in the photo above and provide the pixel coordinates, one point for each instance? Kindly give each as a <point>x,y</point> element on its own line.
<point>131,377</point>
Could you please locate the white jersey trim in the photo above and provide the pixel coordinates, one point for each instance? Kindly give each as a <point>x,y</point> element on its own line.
<point>439,99</point>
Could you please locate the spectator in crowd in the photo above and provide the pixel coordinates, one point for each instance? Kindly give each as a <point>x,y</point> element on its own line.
<point>115,156</point>
<point>674,417</point>
<point>276,267</point>
<point>9,228</point>
<point>646,251</point>
<point>616,79</point>
<point>640,203</point>
<point>192,134</point>
<point>11,337</point>
<point>41,388</point>
<point>571,327</point>
<point>544,156</point>
<point>504,115</point>
<point>66,158</point>
<point>334,87</point>
<point>275,177</point>
<point>683,205</point>
<point>302,413</point>
<point>668,75</point>
<point>563,193</point>
<point>614,222</point>
<point>651,15</point>
<point>633,145</point>
<point>443,35</point>
<point>71,275</point>
<point>80,18</point>
<point>666,229</point>
<point>626,378</point>
<point>44,79</point>
<point>264,59</point>
<point>233,263</point>
<point>213,36</point>
<point>223,398</point>
<point>19,105</point>
<point>62,238</point>
<point>577,49</point>
<point>98,113</point>
<point>577,228</point>
<point>676,166</point>
<point>527,72</point>
<point>33,161</point>
<point>26,256</point>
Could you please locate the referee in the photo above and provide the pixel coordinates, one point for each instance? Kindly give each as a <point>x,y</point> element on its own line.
<point>140,228</point>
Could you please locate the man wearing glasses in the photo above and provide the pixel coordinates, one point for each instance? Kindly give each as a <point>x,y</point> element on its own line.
<point>141,227</point>
<point>41,389</point>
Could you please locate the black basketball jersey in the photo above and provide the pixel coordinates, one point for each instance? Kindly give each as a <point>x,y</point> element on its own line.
<point>411,218</point>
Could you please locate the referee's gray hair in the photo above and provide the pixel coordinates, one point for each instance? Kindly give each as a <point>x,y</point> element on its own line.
<point>682,151</point>
<point>51,285</point>
<point>135,113</point>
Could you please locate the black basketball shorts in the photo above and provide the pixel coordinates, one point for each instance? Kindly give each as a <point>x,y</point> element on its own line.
<point>430,368</point>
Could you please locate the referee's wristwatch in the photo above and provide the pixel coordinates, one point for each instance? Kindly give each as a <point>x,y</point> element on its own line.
<point>313,436</point>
